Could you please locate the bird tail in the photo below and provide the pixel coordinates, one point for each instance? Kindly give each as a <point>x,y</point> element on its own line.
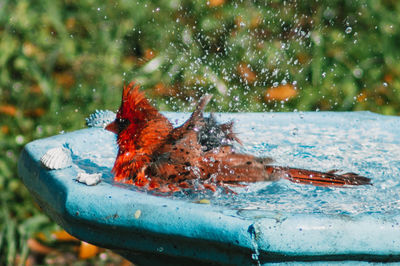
<point>232,168</point>
<point>327,179</point>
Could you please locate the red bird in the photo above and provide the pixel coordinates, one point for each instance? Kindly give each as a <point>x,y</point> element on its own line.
<point>198,153</point>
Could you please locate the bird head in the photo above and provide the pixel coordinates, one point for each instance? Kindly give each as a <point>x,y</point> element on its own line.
<point>133,112</point>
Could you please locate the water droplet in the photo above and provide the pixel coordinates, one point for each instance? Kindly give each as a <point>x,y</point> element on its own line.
<point>348,30</point>
<point>295,131</point>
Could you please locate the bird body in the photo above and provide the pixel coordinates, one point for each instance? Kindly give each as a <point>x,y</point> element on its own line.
<point>141,130</point>
<point>154,154</point>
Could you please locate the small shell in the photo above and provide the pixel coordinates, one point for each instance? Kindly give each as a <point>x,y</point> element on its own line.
<point>88,179</point>
<point>57,158</point>
<point>100,118</point>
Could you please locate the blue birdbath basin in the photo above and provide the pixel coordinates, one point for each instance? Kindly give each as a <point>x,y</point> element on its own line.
<point>265,222</point>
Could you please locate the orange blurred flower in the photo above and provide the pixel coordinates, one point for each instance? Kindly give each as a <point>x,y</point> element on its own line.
<point>70,23</point>
<point>214,3</point>
<point>5,129</point>
<point>246,73</point>
<point>8,109</point>
<point>87,250</point>
<point>64,79</point>
<point>36,247</point>
<point>36,112</point>
<point>160,89</point>
<point>281,92</point>
<point>149,54</point>
<point>62,235</point>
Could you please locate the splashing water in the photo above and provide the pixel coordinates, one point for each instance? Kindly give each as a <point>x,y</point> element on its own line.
<point>360,142</point>
<point>348,30</point>
<point>346,142</point>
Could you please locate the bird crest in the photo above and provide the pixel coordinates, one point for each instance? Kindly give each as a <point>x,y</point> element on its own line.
<point>134,104</point>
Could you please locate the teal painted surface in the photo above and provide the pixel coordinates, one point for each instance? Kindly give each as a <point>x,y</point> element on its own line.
<point>252,227</point>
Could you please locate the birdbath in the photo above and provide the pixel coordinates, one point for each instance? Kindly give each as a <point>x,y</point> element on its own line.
<point>264,222</point>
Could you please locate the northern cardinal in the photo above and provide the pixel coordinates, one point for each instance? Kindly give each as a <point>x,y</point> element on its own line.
<point>154,154</point>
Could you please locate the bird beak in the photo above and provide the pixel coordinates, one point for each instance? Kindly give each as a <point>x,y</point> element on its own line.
<point>113,127</point>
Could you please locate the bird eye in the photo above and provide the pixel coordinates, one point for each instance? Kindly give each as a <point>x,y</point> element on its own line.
<point>122,123</point>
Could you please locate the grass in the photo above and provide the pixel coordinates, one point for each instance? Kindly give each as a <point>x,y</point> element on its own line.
<point>61,60</point>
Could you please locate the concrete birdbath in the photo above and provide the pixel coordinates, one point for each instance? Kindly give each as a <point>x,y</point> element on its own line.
<point>265,222</point>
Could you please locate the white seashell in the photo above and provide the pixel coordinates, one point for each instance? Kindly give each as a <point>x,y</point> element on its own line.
<point>88,179</point>
<point>100,118</point>
<point>57,158</point>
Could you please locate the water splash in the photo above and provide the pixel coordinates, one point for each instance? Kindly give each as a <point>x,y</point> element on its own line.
<point>353,142</point>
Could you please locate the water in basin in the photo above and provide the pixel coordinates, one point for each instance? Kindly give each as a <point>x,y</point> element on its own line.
<point>364,143</point>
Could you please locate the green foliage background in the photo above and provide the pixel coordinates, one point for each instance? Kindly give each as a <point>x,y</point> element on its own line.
<point>61,60</point>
